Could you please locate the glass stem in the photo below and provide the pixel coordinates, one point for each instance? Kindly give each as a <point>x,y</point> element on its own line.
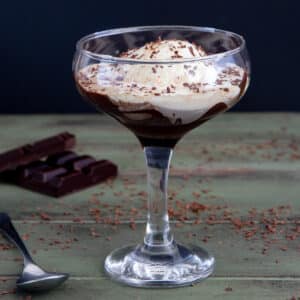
<point>158,233</point>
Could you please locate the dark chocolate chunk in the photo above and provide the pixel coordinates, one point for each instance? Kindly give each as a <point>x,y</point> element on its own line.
<point>100,170</point>
<point>61,173</point>
<point>47,173</point>
<point>9,156</point>
<point>72,180</point>
<point>58,175</point>
<point>61,158</point>
<point>80,162</point>
<point>30,168</point>
<point>29,153</point>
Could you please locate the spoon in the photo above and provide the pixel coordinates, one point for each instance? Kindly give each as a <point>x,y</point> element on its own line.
<point>33,278</point>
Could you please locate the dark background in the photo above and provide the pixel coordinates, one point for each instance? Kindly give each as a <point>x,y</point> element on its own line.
<point>38,39</point>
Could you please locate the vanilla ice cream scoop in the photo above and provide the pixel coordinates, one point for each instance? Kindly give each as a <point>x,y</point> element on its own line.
<point>180,91</point>
<point>163,76</point>
<point>165,50</point>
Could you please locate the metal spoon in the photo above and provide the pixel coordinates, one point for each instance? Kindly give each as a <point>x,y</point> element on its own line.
<point>33,278</point>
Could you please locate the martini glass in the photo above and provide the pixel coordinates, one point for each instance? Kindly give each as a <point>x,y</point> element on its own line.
<point>159,119</point>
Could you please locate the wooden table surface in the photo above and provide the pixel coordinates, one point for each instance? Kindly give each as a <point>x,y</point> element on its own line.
<point>244,169</point>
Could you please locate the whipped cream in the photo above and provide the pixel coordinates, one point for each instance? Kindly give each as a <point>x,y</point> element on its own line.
<point>184,91</point>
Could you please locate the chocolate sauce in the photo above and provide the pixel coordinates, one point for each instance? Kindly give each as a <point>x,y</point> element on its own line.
<point>149,125</point>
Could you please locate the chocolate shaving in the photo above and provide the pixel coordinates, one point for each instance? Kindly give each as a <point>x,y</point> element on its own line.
<point>119,78</point>
<point>220,81</point>
<point>191,50</point>
<point>235,82</point>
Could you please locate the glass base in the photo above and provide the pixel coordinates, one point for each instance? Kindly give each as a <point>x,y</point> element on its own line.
<point>168,267</point>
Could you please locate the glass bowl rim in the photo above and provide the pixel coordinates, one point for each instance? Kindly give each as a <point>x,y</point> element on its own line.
<point>115,31</point>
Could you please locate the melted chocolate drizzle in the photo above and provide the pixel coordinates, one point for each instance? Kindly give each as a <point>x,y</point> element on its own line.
<point>150,126</point>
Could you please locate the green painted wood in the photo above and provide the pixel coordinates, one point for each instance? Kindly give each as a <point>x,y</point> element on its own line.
<point>235,177</point>
<point>240,192</point>
<point>243,160</point>
<point>235,256</point>
<point>237,289</point>
<point>233,139</point>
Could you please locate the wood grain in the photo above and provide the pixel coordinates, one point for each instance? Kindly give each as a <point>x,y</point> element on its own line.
<point>236,162</point>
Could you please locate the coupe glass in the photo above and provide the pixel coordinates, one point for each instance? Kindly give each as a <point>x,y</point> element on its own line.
<point>159,261</point>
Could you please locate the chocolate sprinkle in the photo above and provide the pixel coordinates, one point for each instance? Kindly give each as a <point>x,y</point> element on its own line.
<point>191,50</point>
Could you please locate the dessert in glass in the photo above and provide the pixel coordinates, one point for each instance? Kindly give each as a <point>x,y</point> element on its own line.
<point>161,82</point>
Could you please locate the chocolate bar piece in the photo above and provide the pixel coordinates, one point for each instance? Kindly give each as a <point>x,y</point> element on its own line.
<point>63,173</point>
<point>32,152</point>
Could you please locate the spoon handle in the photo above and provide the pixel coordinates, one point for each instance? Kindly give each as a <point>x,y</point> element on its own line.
<point>11,233</point>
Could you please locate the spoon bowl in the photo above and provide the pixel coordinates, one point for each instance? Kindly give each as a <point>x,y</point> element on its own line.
<point>33,277</point>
